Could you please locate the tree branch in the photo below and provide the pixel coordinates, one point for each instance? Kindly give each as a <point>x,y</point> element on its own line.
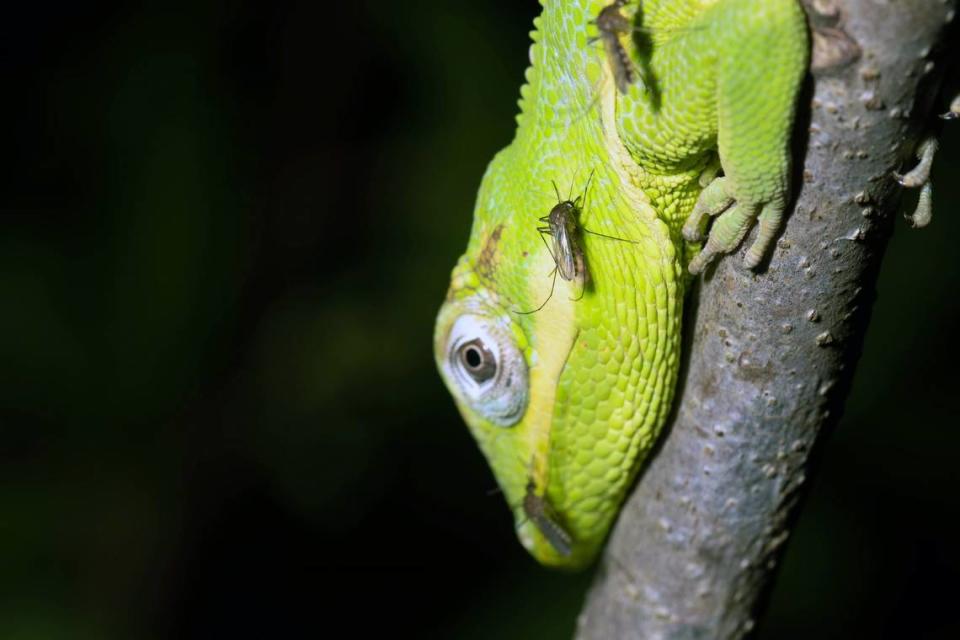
<point>771,355</point>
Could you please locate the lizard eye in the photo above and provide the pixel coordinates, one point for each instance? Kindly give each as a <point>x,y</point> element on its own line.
<point>486,369</point>
<point>478,361</point>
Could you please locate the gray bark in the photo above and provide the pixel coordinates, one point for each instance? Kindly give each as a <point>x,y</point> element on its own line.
<point>771,354</point>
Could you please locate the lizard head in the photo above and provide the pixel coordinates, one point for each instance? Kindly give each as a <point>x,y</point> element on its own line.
<point>563,401</point>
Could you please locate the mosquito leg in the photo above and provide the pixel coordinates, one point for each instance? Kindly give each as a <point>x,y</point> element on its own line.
<point>546,231</point>
<point>603,235</point>
<point>552,285</point>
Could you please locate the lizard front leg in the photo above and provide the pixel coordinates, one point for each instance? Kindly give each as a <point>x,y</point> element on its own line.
<point>727,80</point>
<point>756,98</point>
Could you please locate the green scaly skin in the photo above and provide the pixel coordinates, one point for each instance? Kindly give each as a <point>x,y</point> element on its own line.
<point>582,387</point>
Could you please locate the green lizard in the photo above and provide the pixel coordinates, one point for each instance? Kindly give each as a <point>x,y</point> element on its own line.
<point>567,402</point>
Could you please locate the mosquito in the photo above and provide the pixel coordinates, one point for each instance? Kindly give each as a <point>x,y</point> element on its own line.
<point>565,246</point>
<point>611,25</point>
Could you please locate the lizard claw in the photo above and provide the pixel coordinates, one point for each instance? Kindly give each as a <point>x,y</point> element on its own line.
<point>919,176</point>
<point>734,219</point>
<point>954,111</point>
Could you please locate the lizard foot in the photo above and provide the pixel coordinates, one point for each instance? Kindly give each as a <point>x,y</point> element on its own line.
<point>734,219</point>
<point>919,176</point>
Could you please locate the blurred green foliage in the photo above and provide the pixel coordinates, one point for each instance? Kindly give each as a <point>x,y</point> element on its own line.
<point>225,233</point>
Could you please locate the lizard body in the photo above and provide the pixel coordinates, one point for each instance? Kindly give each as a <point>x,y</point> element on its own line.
<point>569,400</point>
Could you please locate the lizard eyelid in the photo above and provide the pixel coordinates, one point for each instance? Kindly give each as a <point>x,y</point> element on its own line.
<point>486,370</point>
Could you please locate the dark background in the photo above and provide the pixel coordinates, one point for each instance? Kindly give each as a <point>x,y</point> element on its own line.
<point>226,229</point>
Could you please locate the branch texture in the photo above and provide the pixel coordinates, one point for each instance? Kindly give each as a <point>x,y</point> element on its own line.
<point>771,355</point>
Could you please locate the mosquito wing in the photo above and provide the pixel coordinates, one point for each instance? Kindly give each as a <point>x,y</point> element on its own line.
<point>564,252</point>
<point>539,512</point>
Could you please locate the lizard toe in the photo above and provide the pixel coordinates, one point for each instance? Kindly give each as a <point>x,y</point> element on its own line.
<point>919,176</point>
<point>713,201</point>
<point>726,234</point>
